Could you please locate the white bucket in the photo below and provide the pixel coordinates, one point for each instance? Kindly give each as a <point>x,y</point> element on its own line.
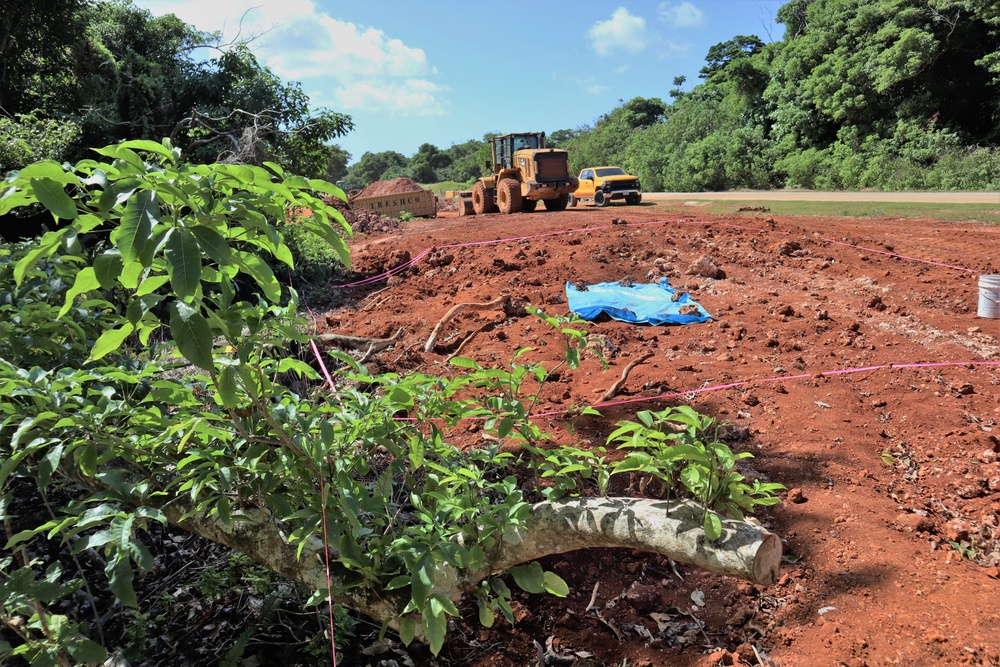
<point>989,296</point>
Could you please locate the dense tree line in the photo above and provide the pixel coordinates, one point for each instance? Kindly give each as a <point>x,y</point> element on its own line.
<point>79,73</point>
<point>893,94</point>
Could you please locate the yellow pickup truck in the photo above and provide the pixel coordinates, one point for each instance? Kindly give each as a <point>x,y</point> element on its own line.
<point>604,184</point>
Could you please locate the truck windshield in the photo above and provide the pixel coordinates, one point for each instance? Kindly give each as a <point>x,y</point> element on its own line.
<point>610,171</point>
<point>528,141</point>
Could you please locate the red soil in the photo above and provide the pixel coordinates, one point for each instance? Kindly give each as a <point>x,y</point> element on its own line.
<point>890,465</point>
<point>389,188</point>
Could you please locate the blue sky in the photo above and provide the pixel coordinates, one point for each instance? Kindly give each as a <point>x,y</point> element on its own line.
<point>445,71</point>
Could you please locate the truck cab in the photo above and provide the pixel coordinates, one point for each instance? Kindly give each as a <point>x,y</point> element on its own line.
<point>602,185</point>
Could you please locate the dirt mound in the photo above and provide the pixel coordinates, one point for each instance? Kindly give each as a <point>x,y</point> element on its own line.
<point>445,204</point>
<point>398,185</point>
<point>362,221</point>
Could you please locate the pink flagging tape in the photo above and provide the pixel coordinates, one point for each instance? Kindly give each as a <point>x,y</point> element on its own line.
<point>399,269</point>
<point>897,255</point>
<point>385,276</point>
<point>782,378</point>
<point>471,244</point>
<point>747,383</point>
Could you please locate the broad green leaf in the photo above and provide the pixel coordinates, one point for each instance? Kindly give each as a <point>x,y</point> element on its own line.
<point>130,275</point>
<point>192,334</point>
<point>145,329</point>
<point>283,254</point>
<point>276,168</point>
<point>130,163</point>
<point>464,362</point>
<point>212,244</point>
<point>87,459</point>
<point>51,195</point>
<point>399,581</point>
<point>156,242</point>
<point>505,426</point>
<point>319,185</point>
<point>262,275</point>
<point>119,574</point>
<point>554,584</point>
<point>422,579</point>
<point>98,177</point>
<point>140,555</point>
<point>86,281</point>
<point>110,341</point>
<point>505,608</point>
<point>49,242</point>
<point>183,257</point>
<point>713,526</point>
<point>401,397</point>
<point>529,578</point>
<point>222,506</point>
<point>227,387</point>
<point>323,229</point>
<point>407,630</point>
<point>137,222</point>
<point>108,266</point>
<point>151,284</point>
<point>442,603</point>
<point>147,145</point>
<point>117,193</point>
<point>86,651</point>
<point>49,169</point>
<point>138,307</point>
<point>107,151</point>
<point>435,626</point>
<point>299,182</point>
<point>486,615</point>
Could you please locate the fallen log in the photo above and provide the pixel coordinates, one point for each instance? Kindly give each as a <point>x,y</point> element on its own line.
<point>671,528</point>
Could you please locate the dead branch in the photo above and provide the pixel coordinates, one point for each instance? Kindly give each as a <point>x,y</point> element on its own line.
<point>613,389</point>
<point>361,343</point>
<point>450,315</point>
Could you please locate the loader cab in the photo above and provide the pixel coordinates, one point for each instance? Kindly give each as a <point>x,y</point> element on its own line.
<point>506,145</point>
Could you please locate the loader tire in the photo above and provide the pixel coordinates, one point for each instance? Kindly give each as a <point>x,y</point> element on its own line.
<point>599,199</point>
<point>482,199</point>
<point>528,205</point>
<point>509,196</point>
<point>571,202</point>
<point>557,204</point>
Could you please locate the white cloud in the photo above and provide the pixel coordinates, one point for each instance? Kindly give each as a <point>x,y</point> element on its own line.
<point>684,15</point>
<point>407,97</point>
<point>622,32</point>
<point>357,67</point>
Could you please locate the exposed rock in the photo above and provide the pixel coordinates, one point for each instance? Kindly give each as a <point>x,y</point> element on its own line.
<point>706,267</point>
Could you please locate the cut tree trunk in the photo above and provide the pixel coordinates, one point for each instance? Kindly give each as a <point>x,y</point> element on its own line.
<point>673,529</point>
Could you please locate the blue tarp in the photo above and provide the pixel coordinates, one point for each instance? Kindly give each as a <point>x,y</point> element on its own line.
<point>642,304</point>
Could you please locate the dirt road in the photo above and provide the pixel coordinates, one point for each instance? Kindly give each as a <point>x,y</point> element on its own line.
<point>848,358</point>
<point>812,195</point>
